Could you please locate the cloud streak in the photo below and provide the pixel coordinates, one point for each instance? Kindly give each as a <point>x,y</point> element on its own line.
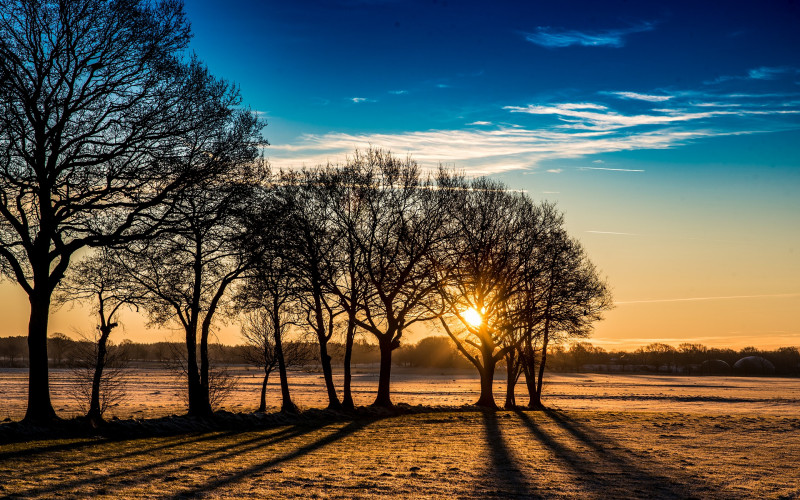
<point>563,130</point>
<point>695,299</point>
<point>641,97</point>
<point>552,38</point>
<point>613,169</point>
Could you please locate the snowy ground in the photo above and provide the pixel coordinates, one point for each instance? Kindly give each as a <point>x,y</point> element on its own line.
<point>606,436</point>
<point>472,455</point>
<point>154,393</point>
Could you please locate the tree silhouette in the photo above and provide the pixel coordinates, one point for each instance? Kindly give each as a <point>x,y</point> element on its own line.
<point>99,280</point>
<point>96,106</point>
<point>479,272</point>
<point>398,233</point>
<point>183,275</point>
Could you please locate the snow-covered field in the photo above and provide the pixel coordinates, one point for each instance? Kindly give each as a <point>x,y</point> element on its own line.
<point>606,436</point>
<point>158,392</point>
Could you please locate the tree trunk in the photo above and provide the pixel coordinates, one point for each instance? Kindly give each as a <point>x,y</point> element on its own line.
<point>327,372</point>
<point>198,405</point>
<point>287,406</point>
<point>383,399</point>
<point>95,412</point>
<point>40,409</point>
<point>512,369</point>
<point>347,401</point>
<point>204,399</point>
<point>537,401</point>
<point>487,372</point>
<point>262,407</point>
<point>487,378</point>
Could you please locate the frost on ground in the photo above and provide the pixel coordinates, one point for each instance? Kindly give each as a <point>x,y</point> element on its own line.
<point>157,392</point>
<point>553,454</point>
<point>607,436</point>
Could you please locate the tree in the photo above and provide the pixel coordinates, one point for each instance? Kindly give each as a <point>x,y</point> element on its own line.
<point>96,105</point>
<point>399,231</point>
<point>182,276</point>
<point>310,244</point>
<point>266,350</point>
<point>343,189</point>
<point>565,296</point>
<point>479,272</point>
<point>98,279</point>
<point>268,290</point>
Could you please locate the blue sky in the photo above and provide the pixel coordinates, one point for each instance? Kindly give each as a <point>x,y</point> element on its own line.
<point>668,132</point>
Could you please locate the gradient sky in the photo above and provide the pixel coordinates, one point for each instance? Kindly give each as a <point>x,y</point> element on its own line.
<point>669,133</point>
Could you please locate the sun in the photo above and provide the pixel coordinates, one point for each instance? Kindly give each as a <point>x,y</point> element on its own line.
<point>472,317</point>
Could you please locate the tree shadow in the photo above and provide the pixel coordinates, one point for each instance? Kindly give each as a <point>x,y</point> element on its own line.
<point>154,468</point>
<point>255,469</point>
<point>604,468</point>
<point>503,479</point>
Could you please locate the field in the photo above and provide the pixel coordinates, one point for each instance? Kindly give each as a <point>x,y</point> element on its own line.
<point>620,436</point>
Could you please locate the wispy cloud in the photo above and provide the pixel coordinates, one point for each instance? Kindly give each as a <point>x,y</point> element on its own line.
<point>760,73</point>
<point>559,38</point>
<point>641,97</point>
<point>477,151</point>
<point>612,232</point>
<point>398,92</point>
<point>552,131</point>
<point>612,169</point>
<point>580,116</point>
<point>693,299</point>
<point>555,170</point>
<point>358,100</point>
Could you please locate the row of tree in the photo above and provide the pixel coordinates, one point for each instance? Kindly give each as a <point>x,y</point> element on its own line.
<point>685,358</point>
<point>131,178</point>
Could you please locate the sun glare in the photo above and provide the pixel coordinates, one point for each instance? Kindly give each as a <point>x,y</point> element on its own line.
<point>473,317</point>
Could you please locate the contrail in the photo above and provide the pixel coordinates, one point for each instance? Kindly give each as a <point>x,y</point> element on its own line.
<point>707,298</point>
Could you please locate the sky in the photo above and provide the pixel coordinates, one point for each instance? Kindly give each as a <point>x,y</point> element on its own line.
<point>667,132</point>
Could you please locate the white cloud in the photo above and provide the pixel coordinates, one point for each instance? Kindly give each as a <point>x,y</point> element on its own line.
<point>555,170</point>
<point>477,151</point>
<point>641,97</point>
<point>560,38</point>
<point>612,169</point>
<point>358,100</point>
<point>576,130</point>
<point>398,92</point>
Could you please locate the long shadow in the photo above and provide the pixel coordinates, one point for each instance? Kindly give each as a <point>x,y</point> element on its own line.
<point>153,469</point>
<point>629,475</point>
<point>503,478</point>
<point>164,446</point>
<point>339,434</point>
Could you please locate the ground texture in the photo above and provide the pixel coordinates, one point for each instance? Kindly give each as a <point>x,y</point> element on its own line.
<point>432,454</point>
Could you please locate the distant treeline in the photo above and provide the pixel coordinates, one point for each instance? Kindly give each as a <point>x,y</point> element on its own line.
<point>687,358</point>
<point>439,352</point>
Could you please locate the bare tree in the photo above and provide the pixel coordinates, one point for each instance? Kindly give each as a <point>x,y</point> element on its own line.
<point>183,275</point>
<point>479,272</point>
<point>99,280</point>
<point>266,350</point>
<point>343,189</point>
<point>566,296</point>
<point>311,243</point>
<point>399,230</point>
<point>98,378</point>
<point>96,105</point>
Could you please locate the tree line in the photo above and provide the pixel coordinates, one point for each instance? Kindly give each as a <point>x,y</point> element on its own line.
<point>132,178</point>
